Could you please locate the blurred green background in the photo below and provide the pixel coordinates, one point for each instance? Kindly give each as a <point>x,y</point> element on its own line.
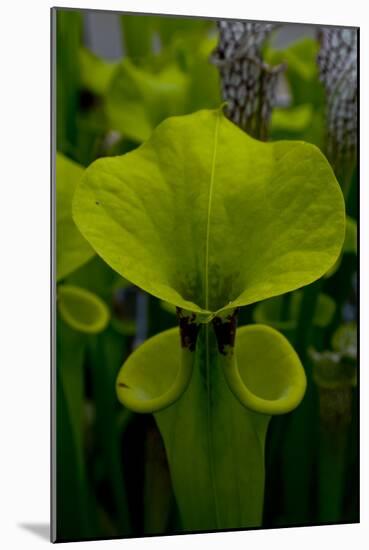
<point>117,77</point>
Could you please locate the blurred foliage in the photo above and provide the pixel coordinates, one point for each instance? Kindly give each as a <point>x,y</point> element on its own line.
<point>303,118</point>
<point>81,309</point>
<point>270,312</point>
<point>73,249</point>
<point>138,100</point>
<point>113,477</point>
<point>301,72</point>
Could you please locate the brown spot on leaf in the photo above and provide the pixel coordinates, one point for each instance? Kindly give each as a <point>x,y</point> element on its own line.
<point>188,329</point>
<point>225,331</point>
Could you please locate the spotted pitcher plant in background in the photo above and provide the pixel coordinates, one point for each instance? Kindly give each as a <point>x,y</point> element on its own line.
<point>210,220</point>
<point>337,61</point>
<point>248,83</point>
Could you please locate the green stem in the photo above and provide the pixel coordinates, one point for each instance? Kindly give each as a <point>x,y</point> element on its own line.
<point>107,351</point>
<point>215,449</point>
<point>158,494</point>
<point>305,326</point>
<point>76,505</point>
<point>68,40</point>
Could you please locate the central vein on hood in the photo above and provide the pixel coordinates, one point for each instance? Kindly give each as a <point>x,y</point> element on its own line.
<point>210,200</point>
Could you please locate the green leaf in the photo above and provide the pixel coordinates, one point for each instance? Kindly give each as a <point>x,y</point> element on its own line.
<point>82,310</point>
<point>208,219</point>
<point>222,484</point>
<point>270,312</point>
<point>293,121</point>
<point>72,250</point>
<point>169,308</point>
<point>179,80</point>
<point>137,100</point>
<point>96,73</point>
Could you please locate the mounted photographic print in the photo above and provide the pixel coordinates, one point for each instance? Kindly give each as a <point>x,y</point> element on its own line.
<point>205,204</point>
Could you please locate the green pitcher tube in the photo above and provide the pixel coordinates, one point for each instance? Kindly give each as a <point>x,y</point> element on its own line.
<point>214,431</point>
